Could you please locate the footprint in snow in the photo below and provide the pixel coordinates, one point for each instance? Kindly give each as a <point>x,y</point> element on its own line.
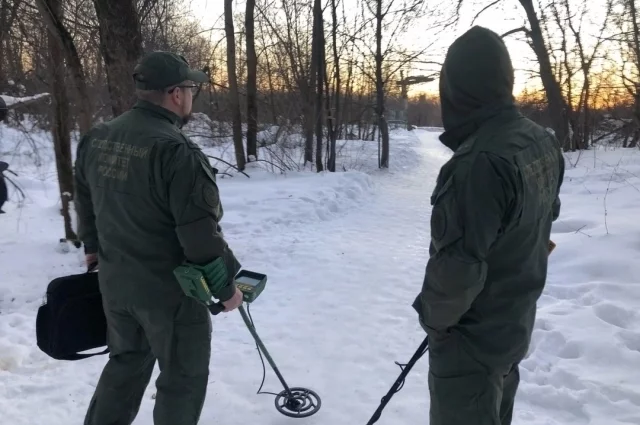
<point>571,225</point>
<point>614,315</point>
<point>543,324</point>
<point>555,343</point>
<point>571,351</point>
<point>630,339</point>
<point>570,292</point>
<point>562,379</point>
<point>562,310</point>
<point>568,404</point>
<point>618,394</point>
<point>589,299</point>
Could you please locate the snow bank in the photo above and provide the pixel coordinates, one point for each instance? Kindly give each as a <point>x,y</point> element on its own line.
<point>295,199</point>
<point>11,100</point>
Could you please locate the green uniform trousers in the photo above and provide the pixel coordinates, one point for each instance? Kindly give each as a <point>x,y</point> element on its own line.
<point>176,334</point>
<point>465,392</point>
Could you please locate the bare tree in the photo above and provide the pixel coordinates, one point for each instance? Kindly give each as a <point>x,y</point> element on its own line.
<point>252,90</point>
<point>334,116</point>
<point>121,47</point>
<point>60,124</point>
<point>557,105</point>
<point>586,60</point>
<point>8,15</point>
<point>57,29</point>
<point>627,36</point>
<point>399,14</point>
<point>233,85</point>
<point>317,64</point>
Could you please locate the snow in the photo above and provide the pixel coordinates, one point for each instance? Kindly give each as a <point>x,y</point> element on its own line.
<point>345,255</point>
<point>11,100</point>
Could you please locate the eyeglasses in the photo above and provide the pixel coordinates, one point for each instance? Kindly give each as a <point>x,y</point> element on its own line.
<point>194,88</point>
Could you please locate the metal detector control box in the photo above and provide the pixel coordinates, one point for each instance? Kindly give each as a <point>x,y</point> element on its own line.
<point>251,284</point>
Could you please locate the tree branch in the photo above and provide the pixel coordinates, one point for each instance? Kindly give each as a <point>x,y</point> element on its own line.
<point>516,30</point>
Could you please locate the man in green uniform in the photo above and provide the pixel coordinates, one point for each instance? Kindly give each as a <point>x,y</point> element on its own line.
<point>493,206</point>
<point>147,201</point>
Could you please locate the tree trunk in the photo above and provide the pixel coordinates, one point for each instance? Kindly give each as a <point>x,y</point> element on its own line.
<point>60,125</point>
<point>635,47</point>
<point>234,101</point>
<point>308,108</point>
<point>318,65</point>
<point>308,117</point>
<point>121,47</point>
<point>551,86</point>
<point>334,122</point>
<point>65,42</point>
<point>252,65</point>
<point>382,122</point>
<point>7,18</point>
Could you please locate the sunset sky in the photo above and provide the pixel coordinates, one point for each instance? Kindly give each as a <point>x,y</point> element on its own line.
<point>500,19</point>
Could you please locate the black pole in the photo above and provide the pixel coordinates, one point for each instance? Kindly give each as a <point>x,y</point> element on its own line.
<point>252,329</point>
<point>396,385</point>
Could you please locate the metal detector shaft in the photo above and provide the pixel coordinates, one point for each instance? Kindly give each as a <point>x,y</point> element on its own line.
<point>394,388</point>
<point>252,329</point>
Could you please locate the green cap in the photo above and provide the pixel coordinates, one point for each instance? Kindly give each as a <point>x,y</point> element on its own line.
<point>159,70</point>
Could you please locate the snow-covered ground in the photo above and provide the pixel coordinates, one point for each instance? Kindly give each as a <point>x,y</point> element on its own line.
<point>345,255</point>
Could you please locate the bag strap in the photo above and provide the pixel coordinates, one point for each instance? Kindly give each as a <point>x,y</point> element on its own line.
<point>83,356</point>
<point>92,267</point>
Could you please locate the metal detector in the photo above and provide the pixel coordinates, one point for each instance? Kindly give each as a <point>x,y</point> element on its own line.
<point>295,402</point>
<point>397,386</point>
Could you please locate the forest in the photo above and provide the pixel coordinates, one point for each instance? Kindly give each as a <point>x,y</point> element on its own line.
<point>313,71</point>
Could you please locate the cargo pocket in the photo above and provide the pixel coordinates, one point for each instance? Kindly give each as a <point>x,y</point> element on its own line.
<point>192,340</point>
<point>462,399</point>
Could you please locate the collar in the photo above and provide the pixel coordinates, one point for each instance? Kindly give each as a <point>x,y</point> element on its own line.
<point>159,111</point>
<point>454,137</point>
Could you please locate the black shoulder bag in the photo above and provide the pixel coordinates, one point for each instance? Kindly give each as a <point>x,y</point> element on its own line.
<point>72,319</point>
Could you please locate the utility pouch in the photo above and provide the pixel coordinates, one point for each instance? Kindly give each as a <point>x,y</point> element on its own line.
<point>202,282</point>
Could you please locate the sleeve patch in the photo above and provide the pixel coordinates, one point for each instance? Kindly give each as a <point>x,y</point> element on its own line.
<point>210,196</point>
<point>445,218</point>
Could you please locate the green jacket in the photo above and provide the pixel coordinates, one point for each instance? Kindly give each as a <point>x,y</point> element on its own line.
<point>147,199</point>
<point>493,207</point>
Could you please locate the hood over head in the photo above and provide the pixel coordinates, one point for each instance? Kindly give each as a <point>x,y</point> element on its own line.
<point>476,82</point>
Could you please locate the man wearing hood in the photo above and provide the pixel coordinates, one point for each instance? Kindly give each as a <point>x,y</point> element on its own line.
<point>493,207</point>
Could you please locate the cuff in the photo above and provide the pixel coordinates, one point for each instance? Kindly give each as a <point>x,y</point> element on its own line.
<point>90,248</point>
<point>417,306</point>
<point>226,293</point>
